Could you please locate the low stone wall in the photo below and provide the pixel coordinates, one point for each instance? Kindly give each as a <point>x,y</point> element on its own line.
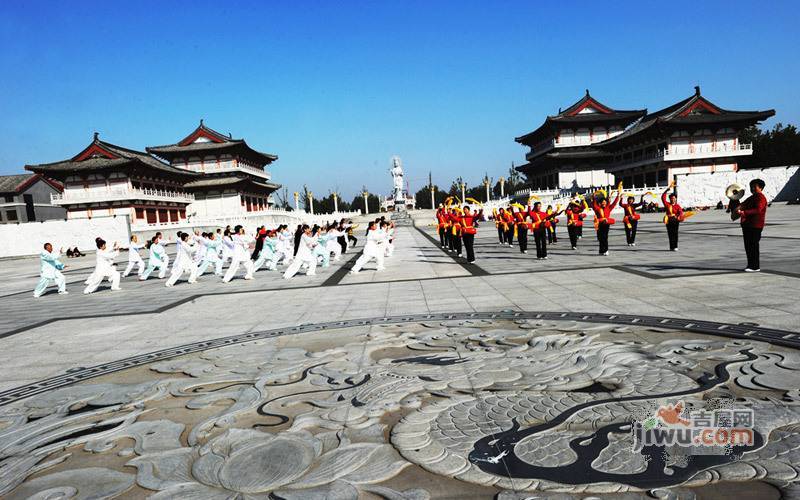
<point>17,240</point>
<point>707,189</point>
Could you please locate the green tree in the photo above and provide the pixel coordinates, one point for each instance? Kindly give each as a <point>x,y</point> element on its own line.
<point>772,148</point>
<point>423,197</point>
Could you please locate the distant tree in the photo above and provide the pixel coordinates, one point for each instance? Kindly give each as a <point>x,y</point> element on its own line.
<point>372,201</point>
<point>772,148</point>
<point>423,197</point>
<point>326,205</point>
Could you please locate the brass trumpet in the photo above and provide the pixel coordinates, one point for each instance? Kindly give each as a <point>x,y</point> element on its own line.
<point>735,193</point>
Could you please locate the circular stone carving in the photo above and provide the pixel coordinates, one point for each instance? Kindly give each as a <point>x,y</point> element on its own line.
<point>380,407</point>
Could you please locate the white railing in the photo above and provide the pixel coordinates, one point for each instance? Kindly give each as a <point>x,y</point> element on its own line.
<point>692,152</point>
<point>227,167</point>
<point>77,196</point>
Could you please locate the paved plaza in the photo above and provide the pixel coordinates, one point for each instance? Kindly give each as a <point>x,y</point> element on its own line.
<point>508,378</point>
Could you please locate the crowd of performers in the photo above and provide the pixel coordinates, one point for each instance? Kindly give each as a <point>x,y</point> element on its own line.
<point>305,248</point>
<point>457,226</point>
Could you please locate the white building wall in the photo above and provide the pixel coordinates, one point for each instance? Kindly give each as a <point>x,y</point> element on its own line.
<point>217,205</point>
<point>707,189</point>
<point>30,237</point>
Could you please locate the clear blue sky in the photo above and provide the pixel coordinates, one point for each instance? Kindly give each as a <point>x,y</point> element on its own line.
<point>337,88</point>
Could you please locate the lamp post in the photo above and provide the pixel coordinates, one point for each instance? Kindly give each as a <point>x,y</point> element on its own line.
<point>335,203</point>
<point>366,204</point>
<point>502,187</point>
<point>433,198</point>
<point>463,192</point>
<point>486,183</point>
<point>296,201</point>
<point>311,202</point>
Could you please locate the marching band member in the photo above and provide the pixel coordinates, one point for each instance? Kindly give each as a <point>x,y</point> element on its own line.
<point>184,260</point>
<point>455,231</point>
<point>213,247</point>
<point>469,230</point>
<point>508,218</point>
<point>373,249</point>
<point>305,254</point>
<point>539,224</point>
<point>134,259</point>
<point>50,270</point>
<point>603,220</point>
<point>158,259</point>
<point>499,218</point>
<point>104,268</point>
<point>753,212</point>
<point>575,215</point>
<point>241,256</point>
<point>631,218</point>
<point>674,217</point>
<point>522,227</point>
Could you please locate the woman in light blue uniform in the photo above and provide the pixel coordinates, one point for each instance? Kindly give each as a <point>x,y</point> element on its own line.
<point>50,271</point>
<point>213,247</point>
<point>321,252</point>
<point>158,259</point>
<point>268,254</point>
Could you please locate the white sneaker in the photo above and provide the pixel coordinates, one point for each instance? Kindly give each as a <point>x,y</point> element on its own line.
<point>36,296</point>
<point>63,293</point>
<point>605,254</point>
<point>574,248</point>
<point>545,258</point>
<point>633,244</point>
<point>525,251</point>
<point>748,270</point>
<point>168,285</point>
<point>459,255</point>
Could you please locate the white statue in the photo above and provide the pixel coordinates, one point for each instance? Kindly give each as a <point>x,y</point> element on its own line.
<point>397,177</point>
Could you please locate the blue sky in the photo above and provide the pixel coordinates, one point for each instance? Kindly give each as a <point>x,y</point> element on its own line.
<point>337,88</point>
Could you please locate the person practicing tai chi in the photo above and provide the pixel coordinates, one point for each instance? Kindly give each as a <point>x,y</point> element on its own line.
<point>305,254</point>
<point>241,255</point>
<point>213,247</point>
<point>134,259</point>
<point>575,214</point>
<point>268,254</point>
<point>753,213</point>
<point>104,268</point>
<point>631,218</point>
<point>158,259</point>
<point>675,215</point>
<point>373,248</point>
<point>50,270</point>
<point>603,220</point>
<point>184,260</point>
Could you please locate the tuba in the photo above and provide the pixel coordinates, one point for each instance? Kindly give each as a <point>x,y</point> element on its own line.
<point>735,193</point>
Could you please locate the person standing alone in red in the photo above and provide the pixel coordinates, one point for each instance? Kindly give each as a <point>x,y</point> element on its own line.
<point>753,212</point>
<point>674,216</point>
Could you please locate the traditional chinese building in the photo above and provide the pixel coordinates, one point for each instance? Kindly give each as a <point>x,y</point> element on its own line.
<point>690,137</point>
<point>26,198</point>
<point>233,179</point>
<point>107,180</point>
<point>563,150</point>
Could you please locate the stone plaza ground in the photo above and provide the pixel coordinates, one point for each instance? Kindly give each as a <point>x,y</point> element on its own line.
<point>432,379</point>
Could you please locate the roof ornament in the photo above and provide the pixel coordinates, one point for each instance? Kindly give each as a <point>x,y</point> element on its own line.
<point>697,90</point>
<point>201,122</point>
<point>559,111</point>
<point>96,135</point>
<point>587,92</point>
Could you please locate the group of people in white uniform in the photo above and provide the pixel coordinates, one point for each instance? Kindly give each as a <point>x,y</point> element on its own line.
<point>305,249</point>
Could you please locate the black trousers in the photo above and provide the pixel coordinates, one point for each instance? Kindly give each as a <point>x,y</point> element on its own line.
<point>573,235</point>
<point>342,240</point>
<point>602,237</point>
<point>456,239</point>
<point>469,241</point>
<point>522,237</point>
<point>500,234</point>
<point>630,232</point>
<point>580,231</point>
<point>353,239</point>
<point>510,235</point>
<point>448,239</point>
<point>441,236</point>
<point>672,233</point>
<point>752,237</point>
<point>541,243</point>
<point>551,234</point>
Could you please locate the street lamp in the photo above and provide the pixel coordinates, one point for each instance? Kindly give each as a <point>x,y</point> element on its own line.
<point>335,203</point>
<point>433,198</point>
<point>311,202</point>
<point>502,187</point>
<point>486,183</point>
<point>463,192</point>
<point>366,204</point>
<point>296,201</point>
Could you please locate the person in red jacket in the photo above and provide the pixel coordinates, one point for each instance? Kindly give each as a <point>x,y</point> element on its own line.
<point>441,225</point>
<point>631,218</point>
<point>522,229</point>
<point>508,218</point>
<point>469,230</point>
<point>753,212</point>
<point>540,222</point>
<point>603,220</point>
<point>455,231</point>
<point>674,216</point>
<point>575,218</point>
